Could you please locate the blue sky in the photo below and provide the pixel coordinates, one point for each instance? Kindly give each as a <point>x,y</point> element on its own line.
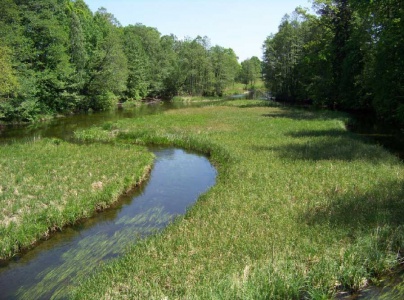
<point>242,25</point>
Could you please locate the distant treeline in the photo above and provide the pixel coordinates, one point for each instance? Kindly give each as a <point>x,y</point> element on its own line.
<point>57,56</point>
<point>349,56</point>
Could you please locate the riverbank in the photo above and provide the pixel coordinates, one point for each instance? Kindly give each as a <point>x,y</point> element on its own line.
<point>301,208</point>
<point>47,184</point>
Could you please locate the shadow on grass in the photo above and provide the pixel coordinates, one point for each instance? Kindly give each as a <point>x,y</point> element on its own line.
<point>383,205</point>
<point>249,103</point>
<point>327,145</point>
<point>261,103</point>
<point>306,114</point>
<point>319,133</point>
<point>373,245</point>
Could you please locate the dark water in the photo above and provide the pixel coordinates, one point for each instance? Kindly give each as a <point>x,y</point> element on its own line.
<point>377,131</point>
<point>176,181</point>
<point>64,127</point>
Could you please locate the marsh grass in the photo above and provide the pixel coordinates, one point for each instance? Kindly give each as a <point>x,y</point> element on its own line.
<point>301,209</point>
<point>47,184</point>
<point>195,99</point>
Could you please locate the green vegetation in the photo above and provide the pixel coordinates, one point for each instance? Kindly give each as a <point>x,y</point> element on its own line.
<point>57,57</point>
<point>348,56</point>
<point>47,184</point>
<point>301,209</point>
<point>251,72</point>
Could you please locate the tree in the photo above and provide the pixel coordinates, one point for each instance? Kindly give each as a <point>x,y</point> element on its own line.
<point>345,54</point>
<point>45,25</point>
<point>250,71</point>
<point>107,69</point>
<point>56,56</point>
<point>9,22</point>
<point>77,49</point>
<point>196,65</point>
<point>387,32</point>
<point>9,36</point>
<point>174,75</point>
<point>314,67</point>
<point>8,79</point>
<point>349,56</point>
<point>282,53</point>
<point>225,68</point>
<point>154,61</point>
<point>138,62</point>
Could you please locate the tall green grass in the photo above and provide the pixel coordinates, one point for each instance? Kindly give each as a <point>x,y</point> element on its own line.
<point>47,184</point>
<point>301,209</point>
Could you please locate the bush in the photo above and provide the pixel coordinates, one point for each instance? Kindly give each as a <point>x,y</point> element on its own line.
<point>104,101</point>
<point>26,111</point>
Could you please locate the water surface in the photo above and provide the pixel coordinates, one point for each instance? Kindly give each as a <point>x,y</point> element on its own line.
<point>178,178</point>
<point>64,127</point>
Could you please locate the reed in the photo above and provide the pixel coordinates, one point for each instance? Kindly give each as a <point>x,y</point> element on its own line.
<point>302,208</point>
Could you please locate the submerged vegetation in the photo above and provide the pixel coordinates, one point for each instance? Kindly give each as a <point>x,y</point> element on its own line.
<point>48,184</point>
<point>301,209</point>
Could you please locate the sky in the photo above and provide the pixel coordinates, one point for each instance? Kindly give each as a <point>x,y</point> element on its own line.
<point>242,25</point>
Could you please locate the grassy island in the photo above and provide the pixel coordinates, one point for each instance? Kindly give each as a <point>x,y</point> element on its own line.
<point>47,184</point>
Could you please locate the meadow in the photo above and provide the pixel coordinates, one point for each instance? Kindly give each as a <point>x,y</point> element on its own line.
<point>47,184</point>
<point>302,209</point>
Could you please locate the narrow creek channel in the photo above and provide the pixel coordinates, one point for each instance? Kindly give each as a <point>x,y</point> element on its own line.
<point>177,179</point>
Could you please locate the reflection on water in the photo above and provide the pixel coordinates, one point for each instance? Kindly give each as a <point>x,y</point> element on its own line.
<point>176,181</point>
<point>385,134</point>
<point>64,127</point>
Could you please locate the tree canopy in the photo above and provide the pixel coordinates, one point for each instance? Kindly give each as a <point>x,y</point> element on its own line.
<point>57,56</point>
<point>350,56</point>
<point>251,71</point>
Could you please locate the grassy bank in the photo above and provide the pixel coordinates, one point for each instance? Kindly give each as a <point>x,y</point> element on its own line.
<point>301,209</point>
<point>47,184</point>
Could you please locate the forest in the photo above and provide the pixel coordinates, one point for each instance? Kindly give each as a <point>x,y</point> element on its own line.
<point>58,57</point>
<point>349,56</point>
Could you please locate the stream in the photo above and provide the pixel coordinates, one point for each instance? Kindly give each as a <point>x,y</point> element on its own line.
<point>64,127</point>
<point>177,179</point>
